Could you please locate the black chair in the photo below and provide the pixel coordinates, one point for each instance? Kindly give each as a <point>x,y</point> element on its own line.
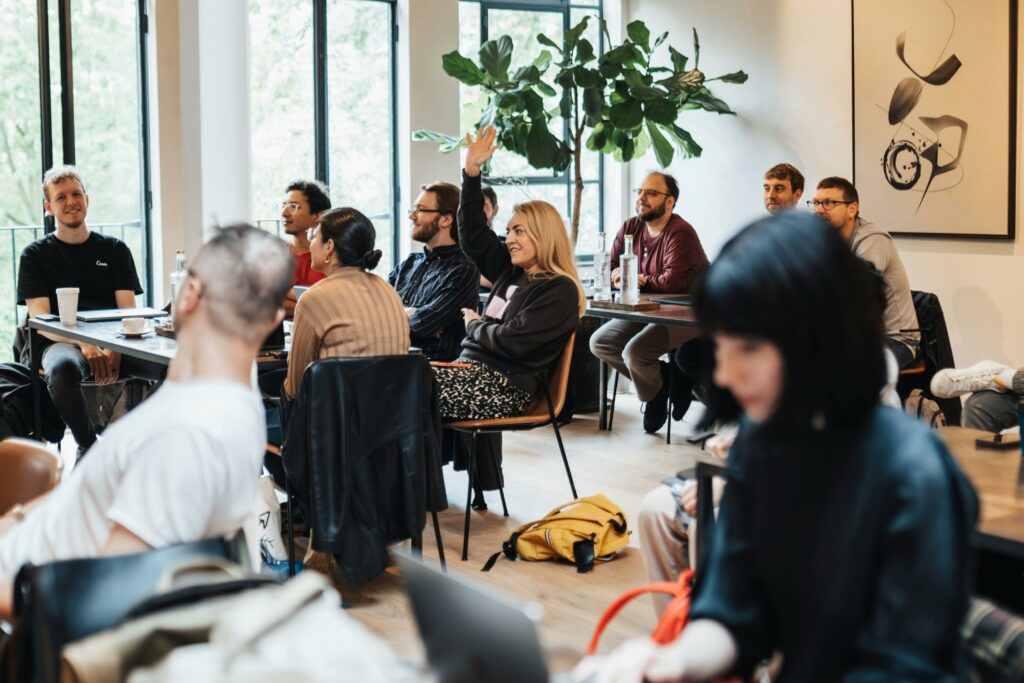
<point>934,353</point>
<point>58,603</point>
<point>362,448</point>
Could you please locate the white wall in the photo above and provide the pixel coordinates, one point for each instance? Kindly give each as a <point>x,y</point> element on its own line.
<point>796,108</point>
<point>199,117</point>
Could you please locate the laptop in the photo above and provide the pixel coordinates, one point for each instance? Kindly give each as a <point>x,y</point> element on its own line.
<point>299,291</point>
<point>274,341</point>
<point>103,314</point>
<point>471,634</point>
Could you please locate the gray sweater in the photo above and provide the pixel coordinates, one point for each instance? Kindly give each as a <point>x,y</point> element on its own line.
<point>872,243</point>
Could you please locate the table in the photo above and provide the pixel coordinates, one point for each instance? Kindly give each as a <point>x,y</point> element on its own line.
<point>998,477</point>
<point>107,335</point>
<point>666,314</point>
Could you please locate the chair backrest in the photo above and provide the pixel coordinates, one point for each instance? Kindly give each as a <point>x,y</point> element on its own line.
<point>558,376</point>
<point>27,470</point>
<point>61,602</point>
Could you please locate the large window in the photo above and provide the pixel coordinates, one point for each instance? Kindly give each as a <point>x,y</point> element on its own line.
<point>346,141</point>
<point>513,178</point>
<point>92,115</point>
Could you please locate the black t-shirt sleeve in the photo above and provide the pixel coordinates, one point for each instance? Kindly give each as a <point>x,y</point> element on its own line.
<point>125,275</point>
<point>32,282</point>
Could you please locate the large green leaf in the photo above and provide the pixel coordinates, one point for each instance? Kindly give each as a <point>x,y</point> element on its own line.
<point>543,60</point>
<point>462,68</point>
<point>544,40</point>
<point>584,51</point>
<point>663,150</point>
<point>610,69</point>
<point>597,138</point>
<point>541,146</point>
<point>696,49</point>
<point>684,141</point>
<point>447,143</point>
<point>573,34</point>
<point>678,59</point>
<point>661,111</point>
<point>639,33</point>
<point>527,74</point>
<point>660,40</point>
<point>705,100</point>
<point>623,54</point>
<point>593,102</point>
<point>496,57</point>
<point>546,89</point>
<point>628,114</point>
<point>646,92</point>
<point>534,104</point>
<point>734,77</point>
<point>588,78</point>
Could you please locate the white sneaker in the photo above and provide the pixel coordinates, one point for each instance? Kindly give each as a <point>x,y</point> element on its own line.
<point>979,377</point>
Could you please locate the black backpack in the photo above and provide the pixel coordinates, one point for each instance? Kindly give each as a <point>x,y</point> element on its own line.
<point>16,418</point>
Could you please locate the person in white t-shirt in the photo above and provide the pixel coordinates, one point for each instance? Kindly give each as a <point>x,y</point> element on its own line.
<point>185,464</point>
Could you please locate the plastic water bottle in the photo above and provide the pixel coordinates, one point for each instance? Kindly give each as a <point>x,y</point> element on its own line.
<point>177,277</point>
<point>630,269</point>
<point>602,271</point>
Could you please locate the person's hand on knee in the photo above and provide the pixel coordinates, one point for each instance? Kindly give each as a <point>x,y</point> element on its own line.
<point>99,363</point>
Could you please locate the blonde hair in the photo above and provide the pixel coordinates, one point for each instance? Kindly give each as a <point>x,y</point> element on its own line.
<point>555,255</point>
<point>59,174</point>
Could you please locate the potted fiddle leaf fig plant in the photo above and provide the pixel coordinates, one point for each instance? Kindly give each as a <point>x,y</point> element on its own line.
<point>621,103</point>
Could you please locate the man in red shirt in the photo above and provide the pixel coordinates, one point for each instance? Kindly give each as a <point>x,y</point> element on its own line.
<point>303,203</point>
<point>670,256</point>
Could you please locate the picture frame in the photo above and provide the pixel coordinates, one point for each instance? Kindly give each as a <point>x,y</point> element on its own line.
<point>935,116</point>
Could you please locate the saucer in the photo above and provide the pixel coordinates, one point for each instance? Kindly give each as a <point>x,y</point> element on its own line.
<point>135,335</point>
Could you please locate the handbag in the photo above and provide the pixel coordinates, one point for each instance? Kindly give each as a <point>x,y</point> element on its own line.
<point>672,620</point>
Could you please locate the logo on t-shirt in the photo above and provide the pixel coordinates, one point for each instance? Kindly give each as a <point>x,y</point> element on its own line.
<point>100,264</point>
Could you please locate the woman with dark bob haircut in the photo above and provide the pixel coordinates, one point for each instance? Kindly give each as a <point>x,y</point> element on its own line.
<point>843,536</point>
<point>351,313</point>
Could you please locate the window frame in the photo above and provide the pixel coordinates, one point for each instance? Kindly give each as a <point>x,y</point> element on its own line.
<point>565,8</point>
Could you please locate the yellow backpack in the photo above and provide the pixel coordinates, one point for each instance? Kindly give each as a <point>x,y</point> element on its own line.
<point>582,531</point>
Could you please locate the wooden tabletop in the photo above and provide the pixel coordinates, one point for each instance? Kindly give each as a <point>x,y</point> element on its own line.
<point>998,478</point>
<point>666,314</point>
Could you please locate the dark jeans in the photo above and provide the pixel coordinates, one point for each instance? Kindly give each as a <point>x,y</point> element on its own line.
<point>691,362</point>
<point>904,354</point>
<point>66,368</point>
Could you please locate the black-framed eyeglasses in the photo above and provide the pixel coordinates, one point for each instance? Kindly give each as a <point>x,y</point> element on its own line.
<point>640,192</point>
<point>827,204</point>
<point>416,209</point>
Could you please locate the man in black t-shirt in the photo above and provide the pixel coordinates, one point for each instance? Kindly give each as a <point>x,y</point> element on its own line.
<point>104,271</point>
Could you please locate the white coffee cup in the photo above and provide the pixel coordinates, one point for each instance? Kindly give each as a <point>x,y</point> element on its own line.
<point>67,305</point>
<point>133,325</point>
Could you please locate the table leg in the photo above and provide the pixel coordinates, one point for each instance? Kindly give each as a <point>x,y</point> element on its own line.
<point>35,364</point>
<point>602,419</point>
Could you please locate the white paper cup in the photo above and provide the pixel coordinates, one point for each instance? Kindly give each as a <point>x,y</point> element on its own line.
<point>67,305</point>
<point>133,325</point>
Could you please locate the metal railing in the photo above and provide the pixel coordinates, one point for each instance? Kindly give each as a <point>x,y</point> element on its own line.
<point>14,238</point>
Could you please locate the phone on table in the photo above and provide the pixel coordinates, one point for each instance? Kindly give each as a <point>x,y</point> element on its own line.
<point>47,317</point>
<point>1003,442</point>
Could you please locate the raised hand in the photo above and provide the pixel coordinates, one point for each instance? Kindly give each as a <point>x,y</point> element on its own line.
<point>478,151</point>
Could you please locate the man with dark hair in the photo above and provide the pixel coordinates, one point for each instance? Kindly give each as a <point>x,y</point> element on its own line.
<point>437,283</point>
<point>490,204</point>
<point>783,187</point>
<point>838,203</point>
<point>184,465</point>
<point>303,203</point>
<point>669,257</point>
<point>103,270</point>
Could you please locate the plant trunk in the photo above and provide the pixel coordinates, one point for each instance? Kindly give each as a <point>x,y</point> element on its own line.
<point>578,188</point>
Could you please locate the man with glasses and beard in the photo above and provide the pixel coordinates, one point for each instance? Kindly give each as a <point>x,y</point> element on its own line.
<point>669,256</point>
<point>437,283</point>
<point>303,203</point>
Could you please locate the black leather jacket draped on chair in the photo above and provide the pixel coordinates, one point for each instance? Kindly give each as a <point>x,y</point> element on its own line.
<point>363,448</point>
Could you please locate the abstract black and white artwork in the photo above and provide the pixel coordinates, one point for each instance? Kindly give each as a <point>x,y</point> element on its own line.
<point>934,115</point>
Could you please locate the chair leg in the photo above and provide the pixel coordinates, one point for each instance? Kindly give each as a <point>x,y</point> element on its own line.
<point>469,497</point>
<point>614,392</point>
<point>501,482</point>
<point>417,545</point>
<point>291,530</point>
<point>668,430</point>
<point>561,446</point>
<point>440,545</point>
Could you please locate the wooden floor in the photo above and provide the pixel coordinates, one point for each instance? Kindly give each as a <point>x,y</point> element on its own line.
<point>624,465</point>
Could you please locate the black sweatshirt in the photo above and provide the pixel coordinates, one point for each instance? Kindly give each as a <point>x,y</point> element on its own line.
<point>527,319</point>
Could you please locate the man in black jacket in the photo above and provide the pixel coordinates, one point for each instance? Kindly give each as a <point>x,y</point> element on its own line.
<point>438,282</point>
